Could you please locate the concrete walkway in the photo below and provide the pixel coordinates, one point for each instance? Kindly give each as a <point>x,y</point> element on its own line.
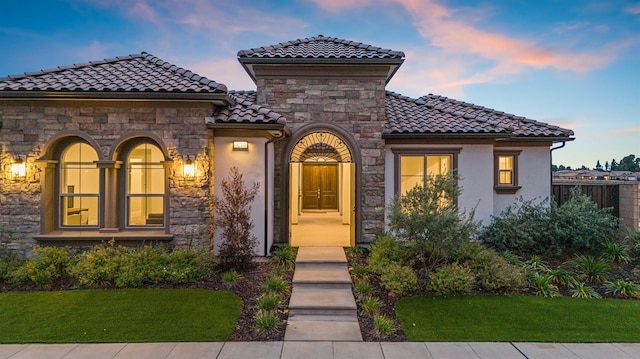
<point>322,307</point>
<point>308,350</point>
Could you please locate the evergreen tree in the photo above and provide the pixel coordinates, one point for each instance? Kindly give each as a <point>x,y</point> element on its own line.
<point>598,166</point>
<point>606,166</point>
<point>614,165</point>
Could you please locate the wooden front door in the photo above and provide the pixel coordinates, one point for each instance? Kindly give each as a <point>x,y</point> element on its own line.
<point>320,186</point>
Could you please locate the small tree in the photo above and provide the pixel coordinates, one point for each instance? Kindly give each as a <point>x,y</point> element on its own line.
<point>233,216</point>
<point>427,219</point>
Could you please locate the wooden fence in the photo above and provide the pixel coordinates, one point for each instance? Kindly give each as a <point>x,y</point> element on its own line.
<point>604,195</point>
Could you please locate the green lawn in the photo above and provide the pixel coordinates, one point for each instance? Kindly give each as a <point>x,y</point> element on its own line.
<point>519,318</point>
<point>124,315</point>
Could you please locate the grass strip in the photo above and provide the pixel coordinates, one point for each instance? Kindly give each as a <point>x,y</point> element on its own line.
<point>519,319</point>
<point>123,315</point>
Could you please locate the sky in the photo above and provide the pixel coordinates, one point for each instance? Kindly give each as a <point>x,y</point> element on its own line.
<point>575,64</point>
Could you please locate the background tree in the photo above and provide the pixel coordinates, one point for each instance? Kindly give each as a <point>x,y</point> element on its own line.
<point>629,163</point>
<point>606,166</point>
<point>614,165</point>
<point>233,216</point>
<point>598,166</point>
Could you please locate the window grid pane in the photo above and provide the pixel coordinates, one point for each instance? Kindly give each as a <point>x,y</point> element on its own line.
<point>79,186</point>
<point>505,170</point>
<point>145,187</point>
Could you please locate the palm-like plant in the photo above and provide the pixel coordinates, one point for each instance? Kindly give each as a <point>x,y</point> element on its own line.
<point>581,290</point>
<point>592,269</point>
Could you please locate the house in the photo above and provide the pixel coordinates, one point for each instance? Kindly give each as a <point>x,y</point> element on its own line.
<point>134,148</point>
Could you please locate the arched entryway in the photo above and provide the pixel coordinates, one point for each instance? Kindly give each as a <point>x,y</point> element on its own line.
<point>322,190</point>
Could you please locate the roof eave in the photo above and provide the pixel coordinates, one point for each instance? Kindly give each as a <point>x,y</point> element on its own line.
<point>248,62</point>
<point>493,136</point>
<point>211,124</point>
<point>219,99</point>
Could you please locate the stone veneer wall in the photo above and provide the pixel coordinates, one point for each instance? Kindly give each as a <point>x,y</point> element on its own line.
<point>354,104</point>
<point>25,126</point>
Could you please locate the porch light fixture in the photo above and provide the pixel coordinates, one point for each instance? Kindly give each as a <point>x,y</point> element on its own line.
<point>240,146</point>
<point>18,168</point>
<point>188,168</point>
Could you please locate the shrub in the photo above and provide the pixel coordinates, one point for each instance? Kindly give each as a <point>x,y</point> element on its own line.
<point>268,302</point>
<point>100,266</point>
<point>581,290</point>
<point>370,306</point>
<point>276,285</point>
<point>399,279</point>
<point>231,278</point>
<point>520,228</point>
<point>578,225</point>
<point>561,276</point>
<point>285,256</point>
<point>615,252</point>
<point>9,262</point>
<point>48,266</point>
<point>362,288</point>
<point>384,326</point>
<point>623,288</point>
<point>451,279</point>
<point>546,228</point>
<point>384,251</point>
<point>359,272</point>
<point>592,269</point>
<point>491,270</point>
<point>510,257</point>
<point>544,287</point>
<point>111,265</point>
<point>233,216</point>
<point>266,322</point>
<point>428,221</point>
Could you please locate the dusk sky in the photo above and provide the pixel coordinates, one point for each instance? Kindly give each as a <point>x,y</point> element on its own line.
<point>571,63</point>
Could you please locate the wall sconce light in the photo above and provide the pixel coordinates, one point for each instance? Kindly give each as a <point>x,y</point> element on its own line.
<point>240,146</point>
<point>18,168</point>
<point>188,168</point>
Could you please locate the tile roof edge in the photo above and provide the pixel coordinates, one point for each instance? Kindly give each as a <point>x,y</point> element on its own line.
<point>321,37</point>
<point>70,67</point>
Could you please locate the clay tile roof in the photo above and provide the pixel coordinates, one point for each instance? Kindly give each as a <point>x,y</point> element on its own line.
<point>134,73</point>
<point>321,47</point>
<point>245,110</point>
<point>432,114</point>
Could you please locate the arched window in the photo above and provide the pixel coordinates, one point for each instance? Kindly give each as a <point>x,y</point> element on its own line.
<point>145,186</point>
<point>79,186</point>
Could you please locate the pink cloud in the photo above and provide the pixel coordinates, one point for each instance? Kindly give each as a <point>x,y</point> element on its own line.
<point>633,9</point>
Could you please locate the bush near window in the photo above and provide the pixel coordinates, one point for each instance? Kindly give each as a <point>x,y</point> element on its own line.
<point>49,266</point>
<point>107,265</point>
<point>428,221</point>
<point>528,227</point>
<point>233,217</point>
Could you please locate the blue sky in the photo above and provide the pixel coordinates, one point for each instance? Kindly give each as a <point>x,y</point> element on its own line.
<point>572,63</point>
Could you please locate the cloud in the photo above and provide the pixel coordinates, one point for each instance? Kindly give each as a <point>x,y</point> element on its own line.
<point>625,130</point>
<point>633,9</point>
<point>95,50</point>
<point>459,39</point>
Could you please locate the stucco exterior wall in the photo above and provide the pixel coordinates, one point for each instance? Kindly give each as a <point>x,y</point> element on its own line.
<point>26,126</point>
<point>534,176</point>
<point>251,164</point>
<point>475,168</point>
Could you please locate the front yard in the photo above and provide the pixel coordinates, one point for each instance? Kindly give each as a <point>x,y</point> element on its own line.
<point>121,315</point>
